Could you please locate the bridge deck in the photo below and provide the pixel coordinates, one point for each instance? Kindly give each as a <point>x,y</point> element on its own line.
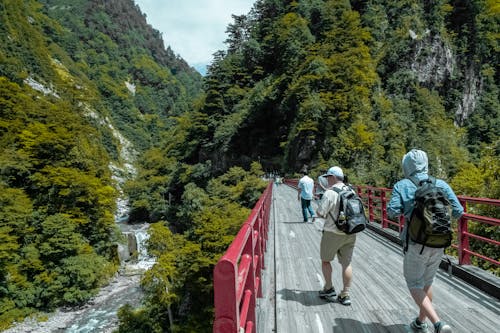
<point>381,301</point>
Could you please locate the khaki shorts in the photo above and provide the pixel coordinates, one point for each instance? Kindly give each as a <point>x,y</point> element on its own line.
<point>332,244</point>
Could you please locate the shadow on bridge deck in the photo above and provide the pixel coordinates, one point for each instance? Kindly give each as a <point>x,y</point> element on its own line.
<point>381,301</point>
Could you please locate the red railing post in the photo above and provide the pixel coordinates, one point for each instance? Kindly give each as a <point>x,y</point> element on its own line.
<point>383,207</point>
<point>370,205</point>
<point>401,222</point>
<point>249,286</point>
<point>463,237</point>
<point>226,305</point>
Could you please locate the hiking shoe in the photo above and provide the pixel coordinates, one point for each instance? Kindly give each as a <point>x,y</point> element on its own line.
<point>441,327</point>
<point>327,293</point>
<point>344,300</point>
<point>419,328</point>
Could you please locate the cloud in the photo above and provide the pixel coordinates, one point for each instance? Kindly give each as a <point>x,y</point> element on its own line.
<point>194,29</point>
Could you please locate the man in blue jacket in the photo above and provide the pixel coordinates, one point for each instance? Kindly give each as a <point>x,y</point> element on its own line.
<point>420,263</point>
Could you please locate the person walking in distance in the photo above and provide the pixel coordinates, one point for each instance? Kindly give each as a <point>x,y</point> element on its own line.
<point>421,257</point>
<point>321,188</point>
<point>334,241</point>
<point>305,194</point>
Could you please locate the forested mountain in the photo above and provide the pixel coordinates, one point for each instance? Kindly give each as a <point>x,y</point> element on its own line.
<point>356,83</point>
<point>85,87</point>
<point>87,84</point>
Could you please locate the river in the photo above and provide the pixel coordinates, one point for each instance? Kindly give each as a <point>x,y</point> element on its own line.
<point>99,315</point>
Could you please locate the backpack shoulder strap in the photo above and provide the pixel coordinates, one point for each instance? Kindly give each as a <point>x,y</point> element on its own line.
<point>414,180</point>
<point>419,183</point>
<point>344,187</point>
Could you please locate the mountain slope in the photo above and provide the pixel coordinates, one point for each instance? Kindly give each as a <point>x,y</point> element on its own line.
<point>84,87</point>
<point>355,83</point>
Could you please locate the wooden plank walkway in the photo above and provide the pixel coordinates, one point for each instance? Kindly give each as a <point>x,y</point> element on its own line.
<point>381,301</point>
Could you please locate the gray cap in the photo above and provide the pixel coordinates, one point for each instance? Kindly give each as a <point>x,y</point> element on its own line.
<point>335,171</point>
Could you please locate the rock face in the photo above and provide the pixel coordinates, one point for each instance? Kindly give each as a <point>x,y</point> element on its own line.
<point>435,66</point>
<point>472,87</point>
<point>132,244</point>
<point>433,60</point>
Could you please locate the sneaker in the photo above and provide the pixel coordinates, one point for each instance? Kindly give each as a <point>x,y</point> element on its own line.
<point>344,300</point>
<point>441,327</point>
<point>419,328</point>
<point>327,293</point>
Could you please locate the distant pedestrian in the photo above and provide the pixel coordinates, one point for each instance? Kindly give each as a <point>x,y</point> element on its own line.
<point>321,188</point>
<point>420,262</point>
<point>305,195</point>
<point>334,242</point>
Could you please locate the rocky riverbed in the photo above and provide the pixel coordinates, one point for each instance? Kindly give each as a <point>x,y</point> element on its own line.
<point>98,315</point>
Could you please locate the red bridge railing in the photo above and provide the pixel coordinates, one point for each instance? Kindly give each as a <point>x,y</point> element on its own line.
<point>376,199</point>
<point>237,273</point>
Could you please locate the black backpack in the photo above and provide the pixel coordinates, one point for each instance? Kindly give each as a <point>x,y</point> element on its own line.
<point>352,218</point>
<point>430,221</point>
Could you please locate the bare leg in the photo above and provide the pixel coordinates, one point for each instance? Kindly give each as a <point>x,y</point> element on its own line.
<point>347,278</point>
<point>422,316</point>
<point>423,298</point>
<point>326,267</point>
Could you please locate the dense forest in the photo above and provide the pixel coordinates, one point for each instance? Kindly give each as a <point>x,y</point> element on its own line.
<point>87,88</point>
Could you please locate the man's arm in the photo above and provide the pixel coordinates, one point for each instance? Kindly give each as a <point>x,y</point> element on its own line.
<point>395,206</point>
<point>456,207</point>
<point>324,206</point>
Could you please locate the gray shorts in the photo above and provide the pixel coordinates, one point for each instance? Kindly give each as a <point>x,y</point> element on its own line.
<point>419,269</point>
<point>332,244</point>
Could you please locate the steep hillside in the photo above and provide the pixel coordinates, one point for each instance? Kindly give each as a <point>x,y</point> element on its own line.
<point>85,86</point>
<point>356,83</point>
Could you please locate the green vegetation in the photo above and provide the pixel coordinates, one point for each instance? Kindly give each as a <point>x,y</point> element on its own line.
<point>57,140</point>
<point>306,82</point>
<point>57,199</point>
<point>206,223</point>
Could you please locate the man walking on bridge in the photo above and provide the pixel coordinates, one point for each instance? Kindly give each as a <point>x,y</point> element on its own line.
<point>305,194</point>
<point>420,262</point>
<point>334,241</point>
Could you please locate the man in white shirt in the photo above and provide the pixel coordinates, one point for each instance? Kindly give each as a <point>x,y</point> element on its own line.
<point>305,195</point>
<point>333,241</point>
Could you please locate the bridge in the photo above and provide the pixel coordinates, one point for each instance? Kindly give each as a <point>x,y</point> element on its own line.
<point>269,278</point>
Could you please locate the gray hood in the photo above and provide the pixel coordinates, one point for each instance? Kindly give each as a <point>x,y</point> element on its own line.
<point>415,161</point>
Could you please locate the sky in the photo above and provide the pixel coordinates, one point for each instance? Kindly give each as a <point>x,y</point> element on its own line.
<point>194,29</point>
